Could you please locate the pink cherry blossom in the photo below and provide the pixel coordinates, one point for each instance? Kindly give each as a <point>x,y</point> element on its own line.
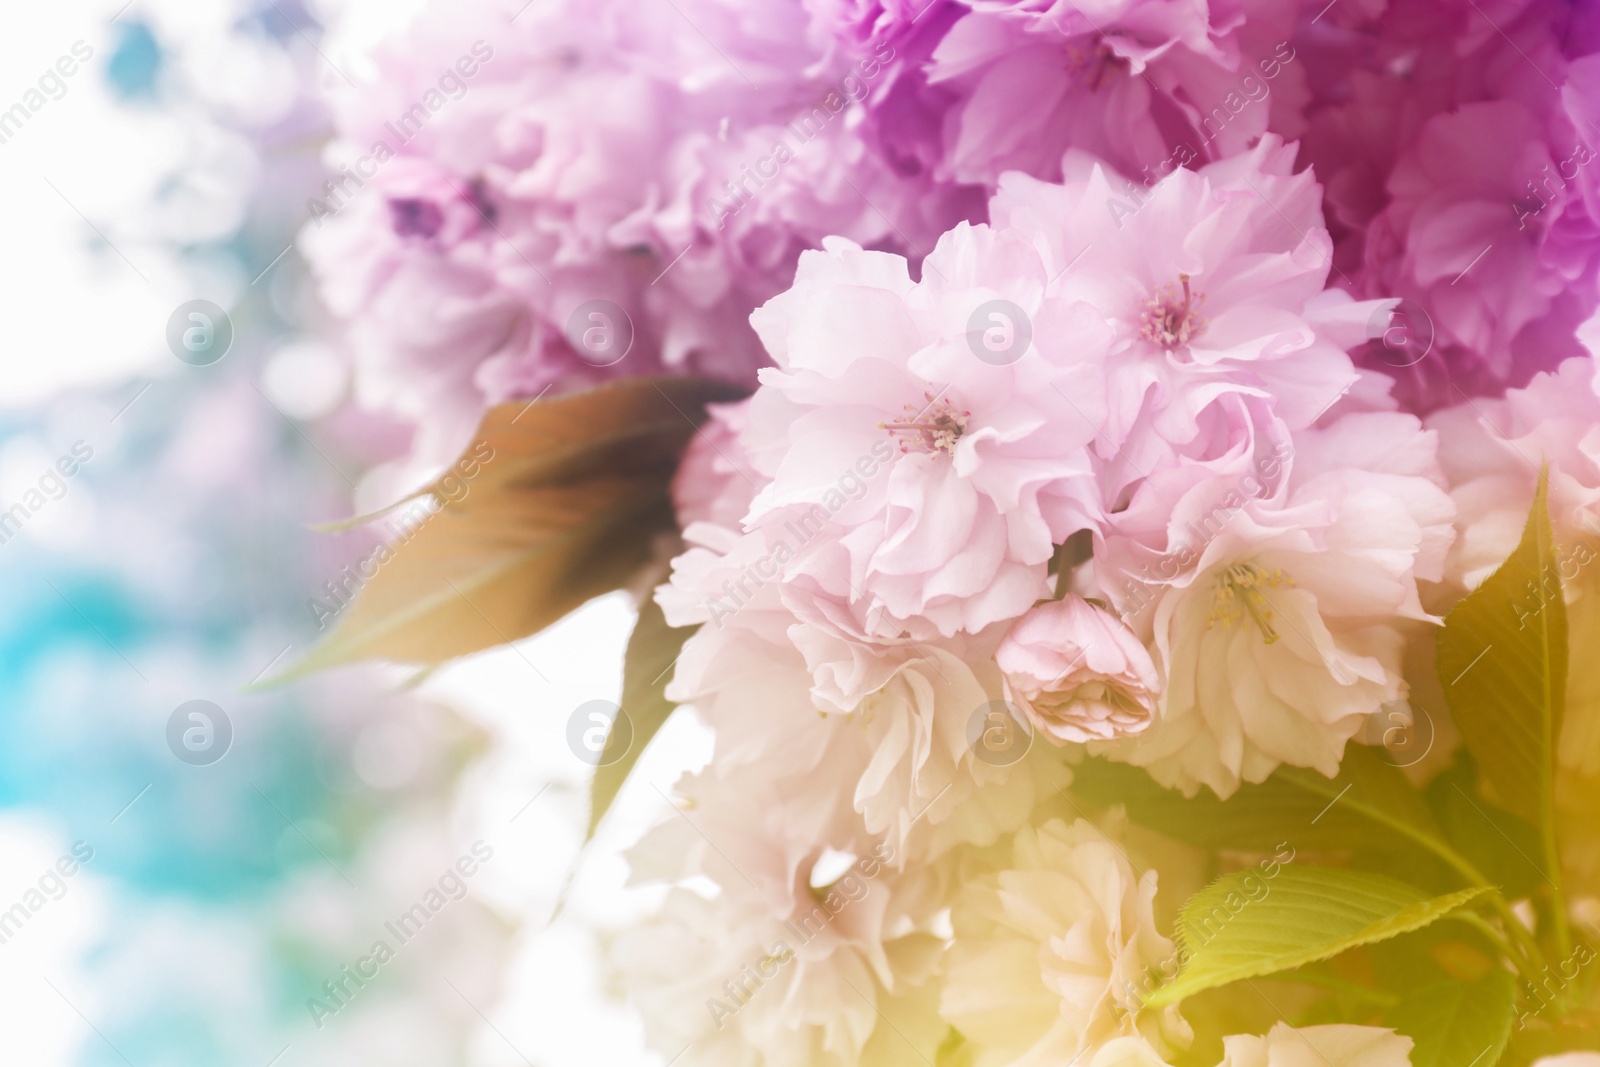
<point>715,482</point>
<point>1280,634</point>
<point>666,167</point>
<point>927,481</point>
<point>1458,156</point>
<point>1078,672</point>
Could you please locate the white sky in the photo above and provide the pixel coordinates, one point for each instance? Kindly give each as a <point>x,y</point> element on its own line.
<point>79,312</point>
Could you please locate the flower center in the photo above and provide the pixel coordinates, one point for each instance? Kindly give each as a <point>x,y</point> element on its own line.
<point>1171,321</point>
<point>1239,593</point>
<point>1097,691</point>
<point>413,217</point>
<point>936,426</point>
<point>1090,63</point>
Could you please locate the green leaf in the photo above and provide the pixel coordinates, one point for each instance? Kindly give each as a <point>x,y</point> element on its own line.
<point>1503,664</point>
<point>1371,804</point>
<point>1542,1038</point>
<point>1254,923</point>
<point>652,650</point>
<point>1457,1024</point>
<point>1446,951</point>
<point>1496,841</point>
<point>555,503</point>
<point>1349,1001</point>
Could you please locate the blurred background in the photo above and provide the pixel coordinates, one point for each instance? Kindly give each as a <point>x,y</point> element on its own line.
<point>193,872</point>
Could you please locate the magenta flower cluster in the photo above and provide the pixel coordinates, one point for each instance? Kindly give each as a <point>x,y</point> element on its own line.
<point>544,196</point>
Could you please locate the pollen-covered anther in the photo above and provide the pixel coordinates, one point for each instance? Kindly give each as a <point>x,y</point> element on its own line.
<point>935,426</point>
<point>1240,594</point>
<point>1172,318</point>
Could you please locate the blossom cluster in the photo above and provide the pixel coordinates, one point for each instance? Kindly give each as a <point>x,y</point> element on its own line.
<point>545,196</point>
<point>1175,526</point>
<point>1139,381</point>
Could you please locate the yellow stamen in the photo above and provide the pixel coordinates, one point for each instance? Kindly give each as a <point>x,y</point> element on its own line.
<point>1239,593</point>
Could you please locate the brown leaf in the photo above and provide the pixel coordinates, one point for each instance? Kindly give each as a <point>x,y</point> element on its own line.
<point>636,426</point>
<point>556,502</point>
